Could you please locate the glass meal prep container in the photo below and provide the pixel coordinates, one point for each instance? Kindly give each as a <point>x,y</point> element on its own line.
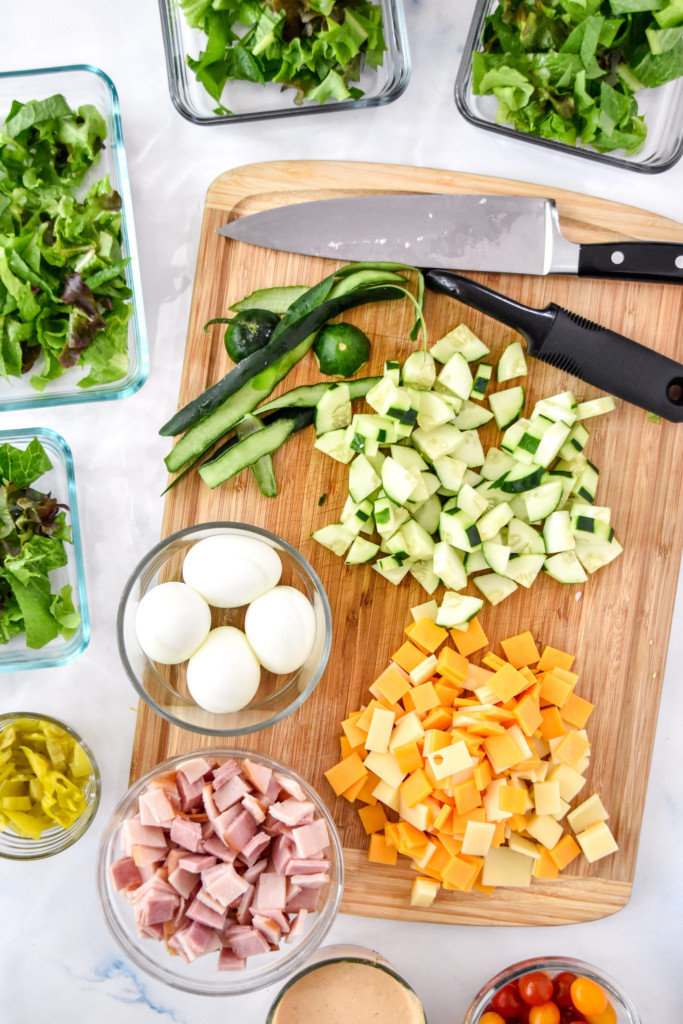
<point>81,84</point>
<point>61,483</point>
<point>250,101</point>
<point>662,108</point>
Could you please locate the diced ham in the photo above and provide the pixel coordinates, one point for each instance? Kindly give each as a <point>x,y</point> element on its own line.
<point>124,874</point>
<point>297,866</point>
<point>274,827</point>
<point>209,901</point>
<point>240,831</point>
<point>273,791</point>
<point>258,774</point>
<point>227,961</point>
<point>305,899</point>
<point>297,929</point>
<point>187,834</point>
<point>195,940</point>
<point>156,907</point>
<point>292,811</point>
<point>217,848</point>
<point>254,848</point>
<point>247,941</point>
<point>230,793</point>
<point>197,862</point>
<point>281,852</point>
<point>156,808</point>
<point>145,855</point>
<point>135,833</point>
<point>228,770</point>
<point>311,839</point>
<point>199,911</point>
<point>151,931</point>
<point>190,793</point>
<point>268,928</point>
<point>223,883</point>
<point>252,873</point>
<point>271,892</point>
<point>243,916</point>
<point>279,916</point>
<point>194,769</point>
<point>290,786</point>
<point>184,882</point>
<point>209,805</point>
<point>221,823</point>
<point>311,881</point>
<point>255,808</point>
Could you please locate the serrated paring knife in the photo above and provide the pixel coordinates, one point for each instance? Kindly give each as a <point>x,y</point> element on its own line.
<point>500,234</point>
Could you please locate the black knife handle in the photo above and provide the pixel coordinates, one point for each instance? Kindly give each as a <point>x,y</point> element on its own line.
<point>533,324</point>
<point>613,362</point>
<point>636,261</point>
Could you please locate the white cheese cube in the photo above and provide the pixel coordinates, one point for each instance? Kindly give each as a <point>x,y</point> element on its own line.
<point>449,760</point>
<point>408,730</point>
<point>386,767</point>
<point>387,795</point>
<point>590,812</point>
<point>597,842</point>
<point>478,838</point>
<point>521,845</point>
<point>545,829</point>
<point>379,733</point>
<point>503,866</point>
<point>546,797</point>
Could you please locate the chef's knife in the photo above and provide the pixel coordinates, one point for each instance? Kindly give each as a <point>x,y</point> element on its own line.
<point>570,342</point>
<point>501,234</point>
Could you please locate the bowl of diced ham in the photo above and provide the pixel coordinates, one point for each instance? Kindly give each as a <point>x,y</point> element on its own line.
<point>220,872</point>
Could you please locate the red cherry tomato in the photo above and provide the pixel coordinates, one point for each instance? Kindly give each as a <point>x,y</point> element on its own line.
<point>536,988</point>
<point>562,983</point>
<point>507,1002</point>
<point>569,1015</point>
<point>545,1013</point>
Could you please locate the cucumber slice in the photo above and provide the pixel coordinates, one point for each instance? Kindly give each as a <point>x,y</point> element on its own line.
<point>333,411</point>
<point>362,479</point>
<point>599,512</point>
<point>520,478</point>
<point>523,539</point>
<point>481,381</point>
<point>587,482</point>
<point>424,573</point>
<point>471,503</point>
<point>450,472</point>
<point>496,464</point>
<point>513,435</point>
<point>565,568</point>
<point>541,501</point>
<point>439,441</point>
<point>428,514</point>
<point>568,480</point>
<point>588,529</point>
<point>397,481</point>
<point>433,411</point>
<point>334,444</point>
<point>359,443</point>
<point>524,569</point>
<point>512,363</point>
<point>448,566</point>
<point>419,370</point>
<point>361,551</point>
<point>392,370</point>
<point>551,442</point>
<point>494,520</point>
<point>557,533</point>
<point>594,555</point>
<point>394,574</point>
<point>378,428</point>
<point>457,608</point>
<point>408,458</point>
<point>336,537</point>
<point>596,407</point>
<point>557,407</point>
<point>417,542</point>
<point>496,556</point>
<point>460,339</point>
<point>575,443</point>
<point>386,394</point>
<point>531,438</point>
<point>389,517</point>
<point>458,530</point>
<point>456,376</point>
<point>469,449</point>
<point>475,561</point>
<point>472,416</point>
<point>495,588</point>
<point>358,517</point>
<point>507,405</point>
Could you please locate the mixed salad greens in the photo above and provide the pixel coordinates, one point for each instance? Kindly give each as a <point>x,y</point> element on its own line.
<point>32,533</point>
<point>63,294</point>
<point>568,69</point>
<point>317,47</point>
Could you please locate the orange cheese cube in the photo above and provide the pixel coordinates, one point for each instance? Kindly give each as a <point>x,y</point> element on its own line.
<point>426,635</point>
<point>365,792</point>
<point>513,799</point>
<point>347,749</point>
<point>373,818</point>
<point>344,774</point>
<point>566,676</point>
<point>393,684</point>
<point>446,693</point>
<point>492,661</point>
<point>552,658</point>
<point>460,873</point>
<point>564,852</point>
<point>521,650</point>
<point>379,851</point>
<point>409,757</point>
<point>424,697</point>
<point>507,682</point>
<point>410,837</point>
<point>363,722</point>
<point>502,752</point>
<point>353,792</point>
<point>554,690</point>
<point>545,866</point>
<point>467,796</point>
<point>499,834</point>
<point>482,774</point>
<point>391,833</point>
<point>435,739</point>
<point>551,727</point>
<point>572,748</point>
<point>576,710</point>
<point>408,656</point>
<point>470,640</point>
<point>355,736</point>
<point>452,665</point>
<point>528,715</point>
<point>415,788</point>
<point>439,858</point>
<point>459,822</point>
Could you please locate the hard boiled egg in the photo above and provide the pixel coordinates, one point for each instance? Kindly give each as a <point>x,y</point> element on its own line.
<point>280,627</point>
<point>224,674</point>
<point>230,571</point>
<point>171,622</point>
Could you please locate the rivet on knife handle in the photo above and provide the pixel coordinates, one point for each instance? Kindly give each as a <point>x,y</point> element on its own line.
<point>600,357</point>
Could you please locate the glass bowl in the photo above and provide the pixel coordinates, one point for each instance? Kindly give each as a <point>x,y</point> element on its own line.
<point>662,107</point>
<point>201,976</point>
<point>61,483</point>
<point>164,687</point>
<point>82,83</point>
<point>53,840</point>
<point>355,955</point>
<point>251,102</point>
<point>626,1013</point>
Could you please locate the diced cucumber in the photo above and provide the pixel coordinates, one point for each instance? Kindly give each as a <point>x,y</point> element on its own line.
<point>457,608</point>
<point>589,529</point>
<point>450,472</point>
<point>587,483</point>
<point>494,496</point>
<point>513,435</point>
<point>512,363</point>
<point>471,503</point>
<point>397,481</point>
<point>469,449</point>
<point>394,574</point>
<point>481,381</point>
<point>419,370</point>
<point>524,569</point>
<point>557,407</point>
<point>357,517</point>
<point>596,407</point>
<point>531,438</point>
<point>392,370</point>
<point>551,442</point>
<point>395,561</point>
<point>379,395</point>
<point>389,517</point>
<point>568,480</point>
<point>408,458</point>
<point>520,478</point>
<point>496,556</point>
<point>449,567</point>
<point>376,461</point>
<point>424,573</point>
<point>507,405</point>
<point>472,478</point>
<point>334,444</point>
<point>472,416</point>
<point>439,441</point>
<point>362,479</point>
<point>494,520</point>
<point>417,541</point>
<point>456,376</point>
<point>333,411</point>
<point>496,463</point>
<point>565,568</point>
<point>428,514</point>
<point>594,555</point>
<point>541,501</point>
<point>557,533</point>
<point>495,588</point>
<point>359,443</point>
<point>336,537</point>
<point>523,539</point>
<point>376,427</point>
<point>462,340</point>
<point>575,443</point>
<point>361,551</point>
<point>475,561</point>
<point>599,512</point>
<point>433,411</point>
<point>458,530</point>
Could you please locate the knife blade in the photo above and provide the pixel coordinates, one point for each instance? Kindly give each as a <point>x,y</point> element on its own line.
<point>500,234</point>
<point>570,342</point>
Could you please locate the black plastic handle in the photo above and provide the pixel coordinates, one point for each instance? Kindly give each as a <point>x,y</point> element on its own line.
<point>636,261</point>
<point>600,357</point>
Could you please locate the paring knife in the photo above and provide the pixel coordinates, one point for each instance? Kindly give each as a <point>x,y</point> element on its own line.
<point>570,342</point>
<point>500,234</point>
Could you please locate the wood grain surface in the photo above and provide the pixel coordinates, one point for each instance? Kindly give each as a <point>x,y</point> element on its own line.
<point>617,623</point>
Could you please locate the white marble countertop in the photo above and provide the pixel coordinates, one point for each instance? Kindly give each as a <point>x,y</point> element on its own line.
<point>56,956</point>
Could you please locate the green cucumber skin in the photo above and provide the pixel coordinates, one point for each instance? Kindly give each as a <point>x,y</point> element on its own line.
<point>263,467</point>
<point>308,395</point>
<point>256,446</point>
<point>281,344</point>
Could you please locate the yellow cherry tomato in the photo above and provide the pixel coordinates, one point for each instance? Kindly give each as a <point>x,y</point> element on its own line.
<point>546,1013</point>
<point>589,998</point>
<point>608,1016</point>
<point>491,1017</point>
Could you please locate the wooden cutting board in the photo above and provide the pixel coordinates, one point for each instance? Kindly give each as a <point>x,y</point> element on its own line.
<point>617,623</point>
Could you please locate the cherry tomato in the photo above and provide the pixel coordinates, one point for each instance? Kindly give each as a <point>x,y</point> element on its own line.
<point>568,1015</point>
<point>544,1013</point>
<point>536,988</point>
<point>562,983</point>
<point>589,998</point>
<point>507,1002</point>
<point>608,1016</point>
<point>491,1017</point>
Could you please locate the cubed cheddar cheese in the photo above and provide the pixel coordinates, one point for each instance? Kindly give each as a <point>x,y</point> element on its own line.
<point>554,690</point>
<point>503,866</point>
<point>507,682</point>
<point>379,733</point>
<point>478,838</point>
<point>408,730</point>
<point>423,892</point>
<point>344,774</point>
<point>528,715</point>
<point>380,852</point>
<point>564,852</point>
<point>426,635</point>
<point>354,791</point>
<point>545,866</point>
<point>470,640</point>
<point>460,873</point>
<point>552,658</point>
<point>373,818</point>
<point>551,725</point>
<point>424,697</point>
<point>492,661</point>
<point>513,799</point>
<point>502,752</point>
<point>572,748</point>
<point>588,813</point>
<point>467,796</point>
<point>408,757</point>
<point>393,683</point>
<point>452,665</point>
<point>576,710</point>
<point>435,739</point>
<point>354,735</point>
<point>408,656</point>
<point>597,842</point>
<point>415,788</point>
<point>521,650</point>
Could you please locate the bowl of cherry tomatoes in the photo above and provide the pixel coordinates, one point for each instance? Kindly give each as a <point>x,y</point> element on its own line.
<point>551,990</point>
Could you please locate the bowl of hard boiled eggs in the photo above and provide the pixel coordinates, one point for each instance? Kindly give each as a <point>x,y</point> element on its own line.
<point>224,629</point>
